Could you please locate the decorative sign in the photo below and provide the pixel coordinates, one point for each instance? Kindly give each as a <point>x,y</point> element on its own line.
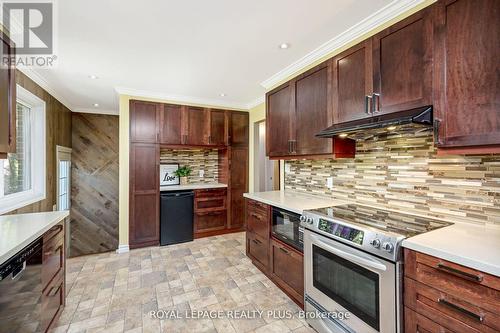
<point>167,176</point>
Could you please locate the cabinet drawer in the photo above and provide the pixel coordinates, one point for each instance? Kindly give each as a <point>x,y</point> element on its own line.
<point>209,221</point>
<point>258,250</point>
<point>52,258</point>
<point>448,311</point>
<point>287,269</point>
<point>210,192</point>
<point>258,223</point>
<point>210,203</point>
<point>461,282</point>
<point>56,230</point>
<point>416,323</point>
<point>52,301</point>
<point>259,207</point>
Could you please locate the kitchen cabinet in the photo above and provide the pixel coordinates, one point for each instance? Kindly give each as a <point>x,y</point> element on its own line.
<point>7,99</point>
<point>196,126</point>
<point>287,270</point>
<point>238,170</point>
<point>466,75</point>
<point>218,128</point>
<point>445,295</point>
<point>53,275</point>
<point>171,124</point>
<point>238,128</point>
<point>351,83</point>
<point>402,64</point>
<point>144,229</point>
<point>295,112</point>
<point>258,234</point>
<point>144,121</point>
<point>210,209</point>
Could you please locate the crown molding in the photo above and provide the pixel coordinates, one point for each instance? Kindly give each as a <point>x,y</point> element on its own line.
<point>181,98</point>
<point>38,79</point>
<point>385,14</point>
<point>97,111</point>
<point>255,102</point>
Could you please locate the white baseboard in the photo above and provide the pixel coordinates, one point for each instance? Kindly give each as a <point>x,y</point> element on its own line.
<point>122,249</point>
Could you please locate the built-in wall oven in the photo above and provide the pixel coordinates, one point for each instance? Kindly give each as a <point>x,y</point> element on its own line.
<point>286,227</point>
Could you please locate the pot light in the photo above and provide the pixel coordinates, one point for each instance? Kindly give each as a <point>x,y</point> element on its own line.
<point>96,105</point>
<point>391,128</point>
<point>93,77</point>
<point>222,95</point>
<point>284,46</point>
<point>343,135</point>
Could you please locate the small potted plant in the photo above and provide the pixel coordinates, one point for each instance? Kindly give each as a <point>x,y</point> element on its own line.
<point>183,173</point>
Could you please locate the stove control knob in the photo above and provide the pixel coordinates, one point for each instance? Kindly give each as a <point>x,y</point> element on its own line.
<point>375,243</point>
<point>310,220</point>
<point>388,247</point>
<point>302,218</point>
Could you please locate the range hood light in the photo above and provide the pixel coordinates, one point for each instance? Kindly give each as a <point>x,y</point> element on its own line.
<point>391,128</point>
<point>343,135</point>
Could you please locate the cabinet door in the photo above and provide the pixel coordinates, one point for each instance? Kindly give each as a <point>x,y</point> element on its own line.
<point>7,99</point>
<point>210,221</point>
<point>279,121</point>
<point>238,129</point>
<point>144,195</point>
<point>287,270</point>
<point>144,121</point>
<point>467,79</point>
<point>170,125</point>
<point>402,64</point>
<point>197,126</point>
<point>239,185</point>
<point>311,112</point>
<point>350,82</point>
<point>218,128</point>
<point>52,302</point>
<point>258,251</point>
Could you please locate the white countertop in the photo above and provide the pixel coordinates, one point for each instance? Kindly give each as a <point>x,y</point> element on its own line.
<point>292,201</point>
<point>194,186</point>
<point>469,245</point>
<point>18,231</point>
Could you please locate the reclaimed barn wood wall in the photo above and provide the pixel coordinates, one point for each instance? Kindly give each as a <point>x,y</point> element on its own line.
<point>94,188</point>
<point>58,132</point>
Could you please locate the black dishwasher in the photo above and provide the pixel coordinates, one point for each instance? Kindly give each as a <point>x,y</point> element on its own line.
<point>176,222</point>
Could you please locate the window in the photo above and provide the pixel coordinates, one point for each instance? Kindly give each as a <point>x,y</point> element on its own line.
<point>22,174</point>
<point>63,157</point>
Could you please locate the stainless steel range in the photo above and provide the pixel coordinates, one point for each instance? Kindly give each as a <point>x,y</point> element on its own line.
<point>353,267</point>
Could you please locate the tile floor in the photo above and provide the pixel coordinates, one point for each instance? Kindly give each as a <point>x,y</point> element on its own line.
<point>115,292</point>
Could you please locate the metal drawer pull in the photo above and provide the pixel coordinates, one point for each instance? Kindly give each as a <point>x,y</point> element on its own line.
<point>257,217</point>
<point>461,310</point>
<point>436,125</point>
<point>285,251</point>
<point>376,103</point>
<point>465,275</point>
<point>53,291</point>
<point>256,241</point>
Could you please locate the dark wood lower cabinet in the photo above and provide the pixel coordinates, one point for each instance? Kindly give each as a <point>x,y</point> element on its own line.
<point>210,212</point>
<point>258,251</point>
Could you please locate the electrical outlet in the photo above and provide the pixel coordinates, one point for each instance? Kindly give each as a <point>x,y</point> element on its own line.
<point>288,168</point>
<point>202,173</point>
<point>329,183</point>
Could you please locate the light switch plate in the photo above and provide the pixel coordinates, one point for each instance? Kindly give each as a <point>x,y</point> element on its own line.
<point>329,183</point>
<point>202,173</point>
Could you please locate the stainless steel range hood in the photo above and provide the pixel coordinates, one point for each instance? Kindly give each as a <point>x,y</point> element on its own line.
<point>419,116</point>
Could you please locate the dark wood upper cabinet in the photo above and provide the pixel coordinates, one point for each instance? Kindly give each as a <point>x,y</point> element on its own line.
<point>7,99</point>
<point>170,124</point>
<point>351,83</point>
<point>218,128</point>
<point>402,64</point>
<point>311,112</point>
<point>279,121</point>
<point>466,73</point>
<point>144,195</point>
<point>144,121</point>
<point>238,128</point>
<point>196,126</point>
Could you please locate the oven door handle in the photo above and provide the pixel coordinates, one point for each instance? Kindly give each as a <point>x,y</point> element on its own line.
<point>351,257</point>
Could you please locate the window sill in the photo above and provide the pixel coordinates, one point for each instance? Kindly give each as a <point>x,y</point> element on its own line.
<point>19,200</point>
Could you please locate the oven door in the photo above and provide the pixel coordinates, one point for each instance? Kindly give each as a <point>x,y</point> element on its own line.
<point>340,278</point>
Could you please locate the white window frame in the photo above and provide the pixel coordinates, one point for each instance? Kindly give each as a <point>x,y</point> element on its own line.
<point>38,166</point>
<point>62,154</point>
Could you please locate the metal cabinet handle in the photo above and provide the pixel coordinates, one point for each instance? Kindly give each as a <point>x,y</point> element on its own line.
<point>53,291</point>
<point>457,272</point>
<point>460,309</point>
<point>368,100</point>
<point>437,123</point>
<point>256,241</point>
<point>284,251</point>
<point>376,103</point>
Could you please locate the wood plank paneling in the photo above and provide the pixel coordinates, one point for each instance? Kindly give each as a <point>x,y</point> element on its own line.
<point>94,190</point>
<point>58,132</point>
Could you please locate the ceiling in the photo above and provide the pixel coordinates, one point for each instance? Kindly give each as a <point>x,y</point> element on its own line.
<point>194,51</point>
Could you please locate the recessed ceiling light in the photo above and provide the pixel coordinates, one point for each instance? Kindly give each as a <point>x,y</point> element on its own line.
<point>343,135</point>
<point>96,105</point>
<point>391,128</point>
<point>284,46</point>
<point>93,77</point>
<point>222,95</point>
